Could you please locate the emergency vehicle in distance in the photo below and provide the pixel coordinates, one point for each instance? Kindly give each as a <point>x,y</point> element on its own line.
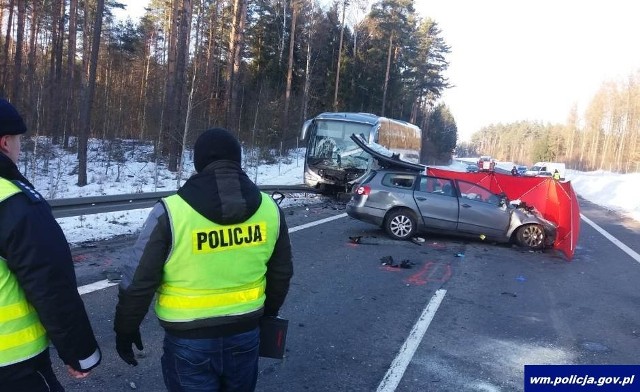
<point>486,163</point>
<point>546,169</point>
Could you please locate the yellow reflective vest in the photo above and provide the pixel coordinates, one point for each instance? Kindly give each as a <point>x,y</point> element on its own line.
<point>216,270</point>
<point>22,336</point>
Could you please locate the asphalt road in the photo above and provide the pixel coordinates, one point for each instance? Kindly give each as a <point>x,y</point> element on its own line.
<point>500,308</point>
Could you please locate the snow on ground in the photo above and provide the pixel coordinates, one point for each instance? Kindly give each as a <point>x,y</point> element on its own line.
<point>619,192</point>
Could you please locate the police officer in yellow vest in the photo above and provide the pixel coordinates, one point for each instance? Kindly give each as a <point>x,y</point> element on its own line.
<point>556,174</point>
<point>218,255</point>
<point>39,300</point>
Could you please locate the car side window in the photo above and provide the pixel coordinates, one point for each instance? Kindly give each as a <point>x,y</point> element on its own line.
<point>438,186</point>
<point>399,180</point>
<point>475,192</point>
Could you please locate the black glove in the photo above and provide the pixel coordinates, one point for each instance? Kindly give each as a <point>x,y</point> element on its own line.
<point>124,348</point>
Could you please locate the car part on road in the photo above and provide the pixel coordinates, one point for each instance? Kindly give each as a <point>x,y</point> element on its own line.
<point>418,240</point>
<point>358,240</point>
<point>389,262</point>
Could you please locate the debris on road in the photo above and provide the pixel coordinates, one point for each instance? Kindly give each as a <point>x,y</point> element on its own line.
<point>406,264</point>
<point>388,261</point>
<point>418,240</point>
<point>113,275</point>
<point>358,240</point>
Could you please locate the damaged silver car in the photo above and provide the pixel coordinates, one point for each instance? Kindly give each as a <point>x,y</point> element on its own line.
<point>404,202</point>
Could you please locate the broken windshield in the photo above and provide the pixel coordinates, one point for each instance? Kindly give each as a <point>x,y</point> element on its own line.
<point>330,144</point>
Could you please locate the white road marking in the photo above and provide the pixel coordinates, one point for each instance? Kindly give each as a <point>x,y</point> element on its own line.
<point>613,239</point>
<point>88,288</point>
<point>316,223</point>
<point>103,284</point>
<point>392,379</point>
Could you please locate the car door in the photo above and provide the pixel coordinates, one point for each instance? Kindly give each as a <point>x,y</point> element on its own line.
<point>438,203</point>
<point>481,211</point>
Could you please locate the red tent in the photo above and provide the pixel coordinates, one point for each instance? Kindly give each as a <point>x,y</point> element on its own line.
<point>555,200</point>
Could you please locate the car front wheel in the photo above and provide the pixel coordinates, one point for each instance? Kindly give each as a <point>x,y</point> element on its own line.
<point>400,225</point>
<point>531,236</point>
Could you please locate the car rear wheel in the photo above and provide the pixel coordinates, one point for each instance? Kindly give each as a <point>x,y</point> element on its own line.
<point>531,236</point>
<point>400,225</point>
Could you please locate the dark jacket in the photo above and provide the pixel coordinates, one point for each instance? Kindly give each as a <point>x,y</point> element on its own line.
<point>224,194</point>
<point>38,254</point>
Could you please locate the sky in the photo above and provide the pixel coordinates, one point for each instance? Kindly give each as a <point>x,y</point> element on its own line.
<point>526,60</point>
<point>532,60</point>
<point>617,192</point>
<point>135,9</point>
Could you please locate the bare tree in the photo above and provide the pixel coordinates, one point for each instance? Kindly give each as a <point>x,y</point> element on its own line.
<point>236,42</point>
<point>386,74</point>
<point>337,87</point>
<point>7,47</point>
<point>295,9</point>
<point>88,93</point>
<point>71,66</point>
<point>17,63</point>
<point>178,55</point>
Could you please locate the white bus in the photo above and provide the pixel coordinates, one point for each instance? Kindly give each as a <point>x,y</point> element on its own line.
<point>333,160</point>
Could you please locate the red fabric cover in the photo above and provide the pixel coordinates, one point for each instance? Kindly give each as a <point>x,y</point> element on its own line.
<point>555,200</point>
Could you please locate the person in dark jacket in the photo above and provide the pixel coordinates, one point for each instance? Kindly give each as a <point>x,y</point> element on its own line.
<point>219,257</point>
<point>39,299</point>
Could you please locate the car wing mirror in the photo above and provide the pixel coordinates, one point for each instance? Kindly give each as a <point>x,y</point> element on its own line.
<point>278,197</point>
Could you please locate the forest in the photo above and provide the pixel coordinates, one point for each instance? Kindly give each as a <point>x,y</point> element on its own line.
<point>605,137</point>
<point>257,67</point>
<point>261,68</point>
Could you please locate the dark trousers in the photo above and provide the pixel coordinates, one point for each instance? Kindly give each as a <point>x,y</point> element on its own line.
<point>33,375</point>
<point>228,364</point>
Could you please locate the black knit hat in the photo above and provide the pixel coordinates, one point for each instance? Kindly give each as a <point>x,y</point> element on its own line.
<point>213,145</point>
<point>10,121</point>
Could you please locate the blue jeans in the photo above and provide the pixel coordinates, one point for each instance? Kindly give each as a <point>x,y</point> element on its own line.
<point>220,364</point>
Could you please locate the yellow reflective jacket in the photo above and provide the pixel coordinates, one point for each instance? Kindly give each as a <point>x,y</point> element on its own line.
<point>22,336</point>
<point>216,270</point>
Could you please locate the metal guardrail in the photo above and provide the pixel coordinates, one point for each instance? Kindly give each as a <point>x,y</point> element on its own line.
<point>63,208</point>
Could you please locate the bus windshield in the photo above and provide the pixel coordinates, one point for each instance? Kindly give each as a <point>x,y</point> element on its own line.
<point>330,144</point>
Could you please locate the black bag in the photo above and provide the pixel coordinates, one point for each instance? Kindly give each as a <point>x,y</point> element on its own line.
<point>273,337</point>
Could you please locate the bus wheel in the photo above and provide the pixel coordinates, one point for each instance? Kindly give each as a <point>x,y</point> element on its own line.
<point>400,224</point>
